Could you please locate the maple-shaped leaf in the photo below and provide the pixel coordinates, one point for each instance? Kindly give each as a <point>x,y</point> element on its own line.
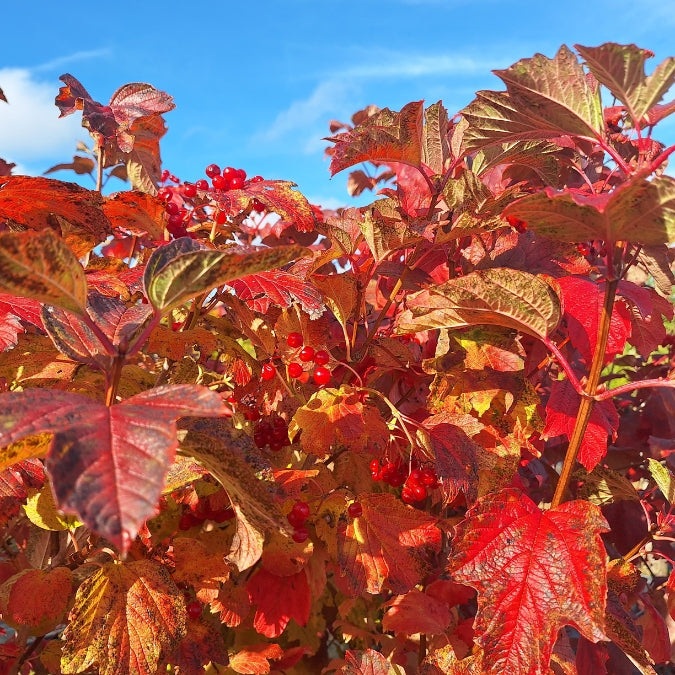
<point>545,98</point>
<point>128,104</point>
<point>416,612</point>
<point>497,296</point>
<point>181,270</point>
<point>255,659</point>
<point>338,418</point>
<point>340,292</point>
<point>278,196</point>
<point>387,546</point>
<point>621,68</point>
<point>535,571</point>
<point>15,483</point>
<point>223,451</point>
<point>36,599</point>
<point>42,268</point>
<point>41,204</point>
<point>368,662</point>
<point>107,464</point>
<point>136,213</point>
<point>561,414</point>
<point>386,136</point>
<point>277,600</point>
<point>124,617</point>
<point>639,210</point>
<point>278,287</point>
<point>582,302</point>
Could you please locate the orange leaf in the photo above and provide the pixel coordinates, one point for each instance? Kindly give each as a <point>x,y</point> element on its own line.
<point>254,659</point>
<point>416,612</point>
<point>388,545</point>
<point>125,616</point>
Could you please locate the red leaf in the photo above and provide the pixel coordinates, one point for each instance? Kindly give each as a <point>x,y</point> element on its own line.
<point>107,464</point>
<point>582,301</point>
<point>278,600</point>
<point>561,413</point>
<point>535,572</point>
<point>416,612</point>
<point>368,662</point>
<point>14,483</point>
<point>388,545</point>
<point>13,308</point>
<point>279,288</point>
<point>128,104</point>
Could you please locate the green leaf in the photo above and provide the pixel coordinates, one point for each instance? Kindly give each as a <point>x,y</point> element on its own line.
<point>42,267</point>
<point>639,211</point>
<point>178,275</point>
<point>497,296</point>
<point>545,98</point>
<point>663,478</point>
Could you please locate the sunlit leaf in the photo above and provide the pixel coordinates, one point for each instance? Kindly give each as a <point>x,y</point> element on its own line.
<point>663,478</point>
<point>125,616</point>
<point>639,211</point>
<point>41,204</point>
<point>368,662</point>
<point>535,571</point>
<point>187,274</point>
<point>387,546</point>
<point>137,213</point>
<point>545,98</point>
<point>42,268</point>
<point>497,296</point>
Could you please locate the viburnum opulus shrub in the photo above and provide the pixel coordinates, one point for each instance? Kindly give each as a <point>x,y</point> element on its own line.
<point>430,435</point>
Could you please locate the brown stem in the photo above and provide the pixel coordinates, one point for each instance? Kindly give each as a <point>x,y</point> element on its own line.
<point>586,405</point>
<point>100,156</point>
<point>113,379</point>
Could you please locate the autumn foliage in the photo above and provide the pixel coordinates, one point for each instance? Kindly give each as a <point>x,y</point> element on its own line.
<point>431,435</point>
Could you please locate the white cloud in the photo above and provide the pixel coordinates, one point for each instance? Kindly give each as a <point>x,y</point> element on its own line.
<point>72,58</point>
<point>30,129</point>
<point>306,119</point>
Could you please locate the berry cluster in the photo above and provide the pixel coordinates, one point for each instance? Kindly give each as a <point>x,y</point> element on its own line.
<point>416,484</point>
<point>321,375</point>
<point>174,196</point>
<point>195,515</point>
<point>273,434</point>
<point>297,517</point>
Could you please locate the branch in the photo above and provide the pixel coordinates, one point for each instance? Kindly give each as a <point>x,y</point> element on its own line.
<point>631,386</point>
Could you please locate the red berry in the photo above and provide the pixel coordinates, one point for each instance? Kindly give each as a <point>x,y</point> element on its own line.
<point>240,173</point>
<point>190,190</point>
<point>415,477</point>
<point>396,479</point>
<point>174,179</point>
<point>307,354</point>
<point>201,184</point>
<point>260,439</point>
<point>229,172</point>
<point>279,423</point>
<point>301,508</point>
<point>257,179</point>
<point>295,519</point>
<point>221,218</point>
<point>322,357</point>
<point>300,534</point>
<point>294,340</point>
<point>354,510</point>
<point>408,496</point>
<point>429,478</point>
<point>277,444</point>
<point>268,371</point>
<point>165,175</point>
<point>321,375</point>
<point>220,182</point>
<point>252,414</point>
<point>374,465</point>
<point>294,370</point>
<point>236,183</point>
<point>165,193</point>
<point>419,491</point>
<point>172,208</point>
<point>257,206</point>
<point>194,609</point>
<point>212,170</point>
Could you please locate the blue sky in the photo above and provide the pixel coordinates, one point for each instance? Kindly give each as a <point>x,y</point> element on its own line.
<point>256,83</point>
